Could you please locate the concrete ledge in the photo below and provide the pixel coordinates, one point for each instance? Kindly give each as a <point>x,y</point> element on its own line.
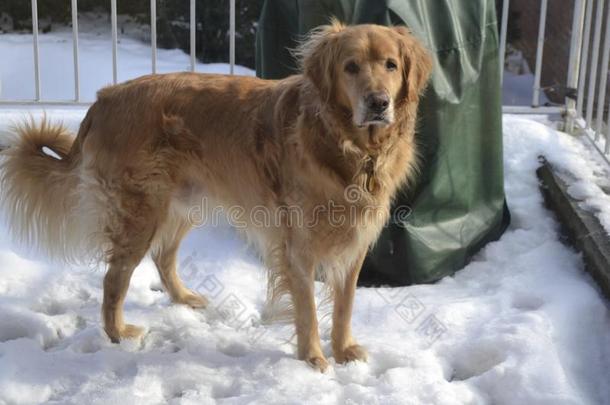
<point>582,227</point>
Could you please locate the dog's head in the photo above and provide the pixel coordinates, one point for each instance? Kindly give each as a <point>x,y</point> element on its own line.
<point>368,70</point>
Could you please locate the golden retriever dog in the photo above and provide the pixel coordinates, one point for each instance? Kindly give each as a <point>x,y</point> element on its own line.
<point>339,136</point>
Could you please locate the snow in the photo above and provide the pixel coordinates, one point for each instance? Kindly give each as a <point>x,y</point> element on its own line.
<point>518,80</point>
<point>521,324</point>
<point>577,163</point>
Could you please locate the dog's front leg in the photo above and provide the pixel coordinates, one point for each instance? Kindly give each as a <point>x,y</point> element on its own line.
<point>344,346</point>
<point>301,282</point>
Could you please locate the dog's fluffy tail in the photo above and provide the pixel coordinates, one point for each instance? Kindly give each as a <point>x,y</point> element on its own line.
<point>38,188</point>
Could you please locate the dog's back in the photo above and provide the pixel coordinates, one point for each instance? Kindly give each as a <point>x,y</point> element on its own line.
<point>164,134</point>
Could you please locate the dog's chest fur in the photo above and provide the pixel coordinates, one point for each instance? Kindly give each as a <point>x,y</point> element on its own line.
<point>344,187</point>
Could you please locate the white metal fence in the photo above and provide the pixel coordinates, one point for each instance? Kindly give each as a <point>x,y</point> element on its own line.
<point>593,117</point>
<point>586,39</point>
<point>38,99</point>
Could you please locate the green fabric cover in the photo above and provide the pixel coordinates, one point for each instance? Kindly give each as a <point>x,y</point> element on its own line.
<point>458,204</point>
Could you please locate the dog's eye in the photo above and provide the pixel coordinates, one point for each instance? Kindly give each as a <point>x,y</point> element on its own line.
<point>390,64</point>
<point>352,68</point>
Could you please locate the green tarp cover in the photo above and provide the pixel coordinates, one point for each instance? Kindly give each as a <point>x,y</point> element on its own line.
<point>458,204</point>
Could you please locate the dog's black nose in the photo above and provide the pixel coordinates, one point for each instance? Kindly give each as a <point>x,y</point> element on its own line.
<point>378,102</point>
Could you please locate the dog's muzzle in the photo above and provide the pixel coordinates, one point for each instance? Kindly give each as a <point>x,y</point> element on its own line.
<point>378,109</point>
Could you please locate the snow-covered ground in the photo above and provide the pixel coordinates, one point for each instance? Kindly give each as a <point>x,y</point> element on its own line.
<point>521,324</point>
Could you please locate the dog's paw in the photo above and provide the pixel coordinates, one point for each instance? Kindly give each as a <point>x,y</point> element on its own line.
<point>127,331</point>
<point>132,332</point>
<point>193,300</point>
<point>351,353</point>
<point>318,363</point>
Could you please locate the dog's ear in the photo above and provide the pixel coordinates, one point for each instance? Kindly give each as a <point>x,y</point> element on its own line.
<point>317,55</point>
<point>417,63</point>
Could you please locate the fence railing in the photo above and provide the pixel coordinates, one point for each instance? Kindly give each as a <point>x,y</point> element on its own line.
<point>582,78</point>
<point>589,74</point>
<point>38,99</point>
<point>597,126</point>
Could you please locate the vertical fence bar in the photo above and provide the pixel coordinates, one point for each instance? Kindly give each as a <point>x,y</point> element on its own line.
<point>539,52</point>
<point>584,59</point>
<point>153,35</point>
<point>193,39</point>
<point>35,43</point>
<point>114,39</point>
<point>574,63</point>
<point>603,79</point>
<point>75,49</point>
<point>594,60</point>
<point>607,147</point>
<point>503,32</point>
<point>232,36</point>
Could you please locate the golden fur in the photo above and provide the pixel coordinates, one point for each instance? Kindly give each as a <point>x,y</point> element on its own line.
<point>339,136</point>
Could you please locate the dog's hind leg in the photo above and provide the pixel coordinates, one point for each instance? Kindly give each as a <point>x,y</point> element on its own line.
<point>116,283</point>
<point>131,228</point>
<point>165,257</point>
